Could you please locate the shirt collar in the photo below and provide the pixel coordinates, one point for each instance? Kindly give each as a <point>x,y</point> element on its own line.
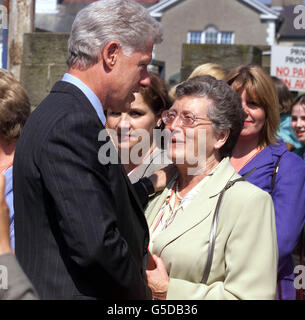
<point>91,96</point>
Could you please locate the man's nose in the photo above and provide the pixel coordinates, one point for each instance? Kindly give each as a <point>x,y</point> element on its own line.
<point>145,80</point>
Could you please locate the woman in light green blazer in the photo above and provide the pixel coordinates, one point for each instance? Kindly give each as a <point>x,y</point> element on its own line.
<point>212,233</point>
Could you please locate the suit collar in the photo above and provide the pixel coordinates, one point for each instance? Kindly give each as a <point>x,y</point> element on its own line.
<point>198,210</point>
<point>91,96</point>
<point>69,88</point>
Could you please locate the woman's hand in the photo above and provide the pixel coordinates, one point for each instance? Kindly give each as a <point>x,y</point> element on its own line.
<point>158,279</point>
<point>161,178</point>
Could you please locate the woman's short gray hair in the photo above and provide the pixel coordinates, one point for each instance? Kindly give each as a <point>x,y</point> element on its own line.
<point>124,21</point>
<point>225,111</point>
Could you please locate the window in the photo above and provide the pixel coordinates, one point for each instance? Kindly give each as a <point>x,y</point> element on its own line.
<point>194,37</point>
<point>226,38</point>
<point>211,35</point>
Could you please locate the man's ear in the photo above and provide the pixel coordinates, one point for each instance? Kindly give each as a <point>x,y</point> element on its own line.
<point>222,138</point>
<point>110,53</point>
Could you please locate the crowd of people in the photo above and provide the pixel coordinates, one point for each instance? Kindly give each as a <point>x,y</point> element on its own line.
<point>206,200</point>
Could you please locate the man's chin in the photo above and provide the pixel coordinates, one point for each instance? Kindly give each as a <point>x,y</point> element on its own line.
<point>131,98</point>
<point>124,105</point>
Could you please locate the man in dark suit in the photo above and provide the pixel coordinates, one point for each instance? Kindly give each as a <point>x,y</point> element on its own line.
<point>80,230</point>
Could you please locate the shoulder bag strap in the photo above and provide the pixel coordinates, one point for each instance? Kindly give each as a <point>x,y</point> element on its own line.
<point>275,170</point>
<point>214,225</point>
<point>214,229</point>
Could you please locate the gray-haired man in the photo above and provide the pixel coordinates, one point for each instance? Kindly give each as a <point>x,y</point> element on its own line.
<point>80,229</point>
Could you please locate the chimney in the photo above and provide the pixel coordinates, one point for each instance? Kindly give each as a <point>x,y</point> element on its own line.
<point>280,3</point>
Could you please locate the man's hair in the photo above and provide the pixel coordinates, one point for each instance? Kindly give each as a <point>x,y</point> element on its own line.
<point>260,89</point>
<point>225,109</point>
<point>124,21</point>
<point>15,107</point>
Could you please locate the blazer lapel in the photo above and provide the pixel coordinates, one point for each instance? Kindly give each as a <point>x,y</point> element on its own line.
<point>201,207</point>
<point>154,205</point>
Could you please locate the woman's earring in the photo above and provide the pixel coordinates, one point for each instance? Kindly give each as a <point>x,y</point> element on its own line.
<point>159,123</point>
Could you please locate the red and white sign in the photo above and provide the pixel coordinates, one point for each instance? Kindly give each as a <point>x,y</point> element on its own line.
<point>288,64</point>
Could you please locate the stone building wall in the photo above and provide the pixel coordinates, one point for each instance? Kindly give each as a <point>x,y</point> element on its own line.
<point>229,56</point>
<point>44,60</point>
<point>43,63</point>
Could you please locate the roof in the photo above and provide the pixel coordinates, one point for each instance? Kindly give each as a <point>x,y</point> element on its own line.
<point>266,12</point>
<point>287,30</point>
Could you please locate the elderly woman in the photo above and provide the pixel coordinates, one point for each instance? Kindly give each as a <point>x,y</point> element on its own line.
<point>204,226</point>
<point>144,114</point>
<point>276,170</point>
<point>14,111</point>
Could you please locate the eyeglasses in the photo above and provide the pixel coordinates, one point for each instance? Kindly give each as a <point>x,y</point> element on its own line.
<point>187,118</point>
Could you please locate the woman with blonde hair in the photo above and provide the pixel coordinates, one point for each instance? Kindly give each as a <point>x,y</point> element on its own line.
<point>212,69</point>
<point>274,168</point>
<point>207,69</point>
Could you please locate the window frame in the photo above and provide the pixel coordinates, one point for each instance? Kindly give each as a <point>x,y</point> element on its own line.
<point>219,37</point>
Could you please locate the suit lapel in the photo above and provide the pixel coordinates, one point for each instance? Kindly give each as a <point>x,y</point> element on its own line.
<point>63,86</point>
<point>201,207</point>
<point>133,194</point>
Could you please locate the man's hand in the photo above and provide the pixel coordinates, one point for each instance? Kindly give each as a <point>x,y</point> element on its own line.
<point>5,246</point>
<point>161,178</point>
<point>158,279</point>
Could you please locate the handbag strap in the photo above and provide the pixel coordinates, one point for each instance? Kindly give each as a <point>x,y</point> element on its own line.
<point>275,170</point>
<point>214,226</point>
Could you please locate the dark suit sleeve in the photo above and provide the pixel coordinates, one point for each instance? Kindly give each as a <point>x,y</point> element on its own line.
<point>18,286</point>
<point>80,192</point>
<point>142,193</point>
